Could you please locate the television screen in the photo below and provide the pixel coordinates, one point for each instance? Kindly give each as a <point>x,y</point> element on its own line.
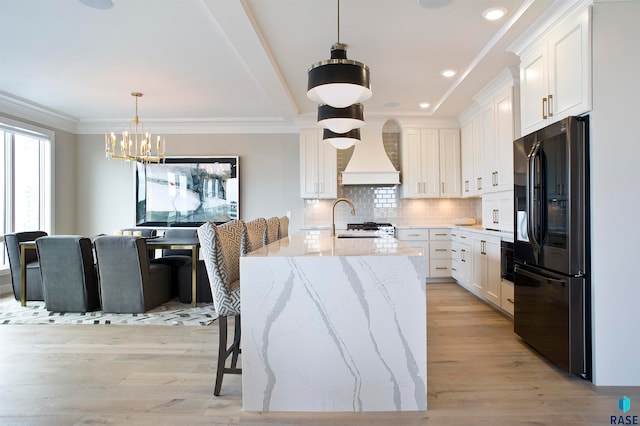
<point>187,191</point>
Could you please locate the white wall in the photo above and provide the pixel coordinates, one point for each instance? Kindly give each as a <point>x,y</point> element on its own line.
<point>615,192</point>
<point>269,178</point>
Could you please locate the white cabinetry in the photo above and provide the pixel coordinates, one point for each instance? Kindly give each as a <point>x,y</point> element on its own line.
<point>497,211</point>
<point>555,72</point>
<point>506,297</point>
<point>417,238</point>
<point>498,136</point>
<point>318,166</point>
<point>430,163</point>
<point>471,157</point>
<point>461,257</point>
<point>486,281</point>
<point>439,252</point>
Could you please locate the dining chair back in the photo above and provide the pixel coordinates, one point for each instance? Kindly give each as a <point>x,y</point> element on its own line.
<point>34,279</point>
<point>128,282</point>
<point>69,277</point>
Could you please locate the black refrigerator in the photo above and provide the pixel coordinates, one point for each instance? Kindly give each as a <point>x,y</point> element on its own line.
<point>551,252</point>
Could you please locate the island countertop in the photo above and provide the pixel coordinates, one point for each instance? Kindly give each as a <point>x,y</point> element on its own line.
<point>321,243</point>
<point>333,324</point>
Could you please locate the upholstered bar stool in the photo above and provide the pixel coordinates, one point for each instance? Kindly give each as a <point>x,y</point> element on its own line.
<point>256,234</point>
<point>273,229</point>
<point>221,248</point>
<point>283,227</point>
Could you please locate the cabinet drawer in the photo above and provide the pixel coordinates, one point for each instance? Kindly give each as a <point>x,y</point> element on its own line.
<point>460,236</point>
<point>440,268</point>
<point>439,234</point>
<point>506,296</point>
<point>440,249</point>
<point>412,234</point>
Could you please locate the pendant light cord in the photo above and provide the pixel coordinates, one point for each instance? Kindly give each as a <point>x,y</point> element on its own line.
<point>338,21</point>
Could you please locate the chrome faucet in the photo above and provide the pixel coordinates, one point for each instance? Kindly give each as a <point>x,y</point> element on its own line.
<point>333,213</point>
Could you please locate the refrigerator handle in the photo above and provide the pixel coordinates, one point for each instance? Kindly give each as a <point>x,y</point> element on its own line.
<point>530,196</point>
<point>537,277</point>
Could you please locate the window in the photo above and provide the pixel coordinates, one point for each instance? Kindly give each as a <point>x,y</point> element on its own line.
<point>25,179</point>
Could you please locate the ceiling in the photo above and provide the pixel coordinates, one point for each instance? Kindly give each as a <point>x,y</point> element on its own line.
<point>242,64</point>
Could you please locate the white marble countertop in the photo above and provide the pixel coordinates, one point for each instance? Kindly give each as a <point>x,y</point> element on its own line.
<point>321,243</point>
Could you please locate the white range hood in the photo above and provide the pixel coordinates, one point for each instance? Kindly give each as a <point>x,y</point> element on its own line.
<point>370,164</point>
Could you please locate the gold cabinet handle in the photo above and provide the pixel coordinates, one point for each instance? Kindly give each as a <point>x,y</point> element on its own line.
<point>544,108</point>
<point>550,106</point>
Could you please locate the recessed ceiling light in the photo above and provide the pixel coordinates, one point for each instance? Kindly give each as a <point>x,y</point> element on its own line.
<point>424,105</point>
<point>448,73</point>
<point>98,4</point>
<point>433,4</point>
<point>391,104</point>
<point>494,13</point>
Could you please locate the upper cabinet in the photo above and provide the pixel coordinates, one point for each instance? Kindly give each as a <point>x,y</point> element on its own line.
<point>318,166</point>
<point>488,131</point>
<point>430,163</point>
<point>498,136</point>
<point>555,71</point>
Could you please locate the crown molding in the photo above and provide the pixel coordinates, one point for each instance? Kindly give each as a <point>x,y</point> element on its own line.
<point>27,110</point>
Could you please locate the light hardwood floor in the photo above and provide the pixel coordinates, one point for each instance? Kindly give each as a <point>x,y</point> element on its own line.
<point>479,373</point>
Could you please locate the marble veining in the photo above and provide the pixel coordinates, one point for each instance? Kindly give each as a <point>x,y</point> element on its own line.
<point>334,333</point>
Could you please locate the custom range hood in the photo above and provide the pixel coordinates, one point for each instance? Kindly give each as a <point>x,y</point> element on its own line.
<point>370,164</point>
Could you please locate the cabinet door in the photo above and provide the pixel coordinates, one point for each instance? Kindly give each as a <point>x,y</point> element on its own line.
<point>478,155</point>
<point>411,168</point>
<point>327,171</point>
<point>489,145</point>
<point>467,160</point>
<point>309,187</point>
<point>318,166</point>
<point>492,281</point>
<point>569,70</point>
<point>533,90</point>
<point>497,211</point>
<point>449,163</point>
<point>431,162</point>
<point>477,266</point>
<point>504,137</point>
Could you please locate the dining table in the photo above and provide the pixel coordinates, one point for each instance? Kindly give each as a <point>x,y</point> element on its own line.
<point>153,243</point>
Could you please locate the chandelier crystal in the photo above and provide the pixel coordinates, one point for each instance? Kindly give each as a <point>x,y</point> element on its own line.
<point>135,144</point>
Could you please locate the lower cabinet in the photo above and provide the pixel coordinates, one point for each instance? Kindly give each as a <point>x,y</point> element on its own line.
<point>417,238</point>
<point>461,257</point>
<point>439,253</point>
<point>506,296</point>
<point>486,279</point>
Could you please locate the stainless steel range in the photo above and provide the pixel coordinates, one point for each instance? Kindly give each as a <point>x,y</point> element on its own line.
<point>385,228</point>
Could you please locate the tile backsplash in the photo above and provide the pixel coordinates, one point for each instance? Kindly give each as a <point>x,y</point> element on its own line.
<point>383,203</point>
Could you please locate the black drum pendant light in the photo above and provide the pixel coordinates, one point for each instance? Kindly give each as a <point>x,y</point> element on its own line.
<point>342,140</point>
<point>341,120</point>
<point>338,82</point>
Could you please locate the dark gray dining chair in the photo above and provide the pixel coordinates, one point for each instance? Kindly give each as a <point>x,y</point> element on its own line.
<point>34,279</point>
<point>69,277</point>
<point>180,263</point>
<point>129,283</point>
<point>145,233</point>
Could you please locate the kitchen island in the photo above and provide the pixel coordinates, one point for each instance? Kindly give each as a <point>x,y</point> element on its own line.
<point>333,324</point>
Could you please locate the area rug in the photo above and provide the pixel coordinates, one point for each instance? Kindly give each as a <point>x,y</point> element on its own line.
<point>171,313</point>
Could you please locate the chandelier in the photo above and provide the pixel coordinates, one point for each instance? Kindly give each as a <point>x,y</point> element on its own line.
<point>135,144</point>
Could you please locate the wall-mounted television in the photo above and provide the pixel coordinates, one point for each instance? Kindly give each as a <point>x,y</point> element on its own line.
<point>187,191</point>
